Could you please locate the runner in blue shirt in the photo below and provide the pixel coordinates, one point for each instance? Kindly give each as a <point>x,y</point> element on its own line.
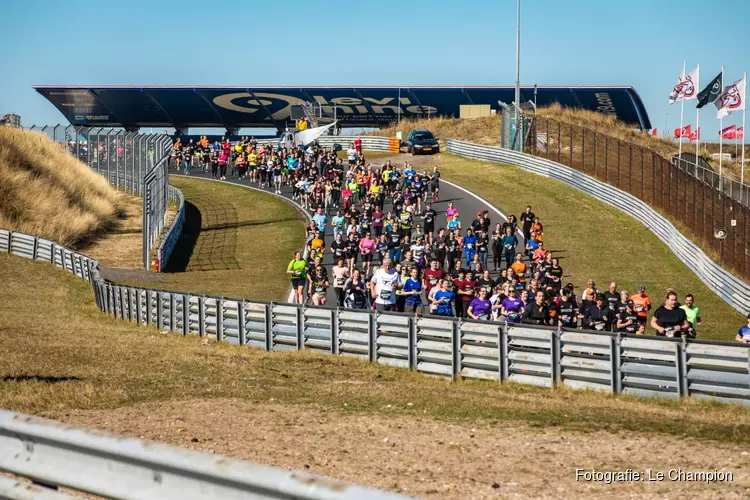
<point>412,289</point>
<point>444,300</point>
<point>743,335</point>
<point>320,220</point>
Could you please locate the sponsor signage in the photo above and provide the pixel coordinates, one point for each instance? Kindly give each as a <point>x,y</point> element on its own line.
<point>356,106</point>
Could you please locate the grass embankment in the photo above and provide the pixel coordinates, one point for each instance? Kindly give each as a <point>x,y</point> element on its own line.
<point>68,355</point>
<point>46,192</point>
<point>593,239</point>
<point>236,242</point>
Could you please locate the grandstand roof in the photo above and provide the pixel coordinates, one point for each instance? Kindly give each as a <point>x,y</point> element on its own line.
<point>235,107</point>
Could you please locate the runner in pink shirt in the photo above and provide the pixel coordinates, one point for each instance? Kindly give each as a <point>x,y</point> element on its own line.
<point>450,211</point>
<point>366,249</point>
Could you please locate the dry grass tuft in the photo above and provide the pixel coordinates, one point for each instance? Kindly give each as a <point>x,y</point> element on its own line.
<point>45,191</point>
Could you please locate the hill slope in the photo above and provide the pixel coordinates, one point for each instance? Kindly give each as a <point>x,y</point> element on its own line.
<point>47,192</point>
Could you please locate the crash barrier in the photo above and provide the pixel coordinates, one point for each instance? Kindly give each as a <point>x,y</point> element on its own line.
<point>369,142</point>
<point>732,290</point>
<point>57,455</point>
<point>169,242</point>
<point>719,222</point>
<point>449,347</point>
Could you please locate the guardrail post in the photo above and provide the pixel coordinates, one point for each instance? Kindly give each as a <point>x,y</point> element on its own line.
<point>682,368</point>
<point>10,241</point>
<point>121,302</point>
<point>555,356</point>
<point>241,321</point>
<point>159,317</point>
<point>372,335</point>
<point>269,326</point>
<point>186,314</point>
<point>220,319</point>
<point>455,348</point>
<point>129,296</point>
<point>502,352</point>
<point>412,341</point>
<point>300,324</point>
<point>201,316</point>
<point>172,311</point>
<point>615,366</point>
<point>335,331</point>
<point>139,306</point>
<point>149,307</point>
<point>34,251</point>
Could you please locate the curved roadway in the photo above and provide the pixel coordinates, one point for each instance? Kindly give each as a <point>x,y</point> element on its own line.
<point>467,204</point>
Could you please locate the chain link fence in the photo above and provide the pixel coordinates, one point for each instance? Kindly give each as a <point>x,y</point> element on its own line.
<point>711,210</point>
<point>132,162</point>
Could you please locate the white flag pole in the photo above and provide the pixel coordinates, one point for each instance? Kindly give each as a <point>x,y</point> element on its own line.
<point>744,112</point>
<point>721,132</point>
<point>682,110</point>
<point>697,120</point>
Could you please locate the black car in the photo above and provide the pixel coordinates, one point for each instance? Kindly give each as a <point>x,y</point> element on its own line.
<point>421,142</point>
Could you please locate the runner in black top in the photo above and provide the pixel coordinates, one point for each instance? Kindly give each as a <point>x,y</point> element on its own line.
<point>598,316</point>
<point>527,219</point>
<point>428,216</point>
<point>627,320</point>
<point>537,312</point>
<point>669,319</point>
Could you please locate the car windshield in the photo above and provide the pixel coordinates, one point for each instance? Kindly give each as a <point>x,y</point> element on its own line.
<point>424,136</point>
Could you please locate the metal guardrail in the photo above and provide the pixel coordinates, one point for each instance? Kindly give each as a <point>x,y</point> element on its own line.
<point>732,290</point>
<point>169,242</point>
<point>369,142</point>
<point>57,454</point>
<point>449,347</point>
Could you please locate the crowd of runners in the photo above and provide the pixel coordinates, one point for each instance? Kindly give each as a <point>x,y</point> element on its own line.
<point>393,251</point>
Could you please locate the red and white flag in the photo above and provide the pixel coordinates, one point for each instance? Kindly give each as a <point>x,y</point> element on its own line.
<point>690,85</point>
<point>695,135</point>
<point>682,132</point>
<point>729,132</point>
<point>678,89</point>
<point>655,133</point>
<point>740,133</point>
<point>731,99</point>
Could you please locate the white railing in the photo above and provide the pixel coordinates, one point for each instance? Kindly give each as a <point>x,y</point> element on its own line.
<point>56,454</point>
<point>732,290</point>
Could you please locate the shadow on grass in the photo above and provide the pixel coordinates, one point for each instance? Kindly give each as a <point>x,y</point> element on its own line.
<point>38,378</point>
<point>229,225</point>
<point>180,258</point>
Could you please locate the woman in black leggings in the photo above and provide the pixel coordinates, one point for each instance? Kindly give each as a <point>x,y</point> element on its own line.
<point>497,246</point>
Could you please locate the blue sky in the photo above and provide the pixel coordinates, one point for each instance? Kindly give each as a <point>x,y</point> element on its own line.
<point>584,42</point>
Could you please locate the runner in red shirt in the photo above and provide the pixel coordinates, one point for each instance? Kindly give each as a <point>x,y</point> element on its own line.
<point>358,145</point>
<point>431,276</point>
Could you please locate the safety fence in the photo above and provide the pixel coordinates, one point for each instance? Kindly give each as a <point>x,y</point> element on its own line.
<point>718,222</point>
<point>123,158</point>
<point>697,168</point>
<point>449,347</point>
<point>724,284</point>
<point>369,142</point>
<point>155,205</point>
<point>54,454</point>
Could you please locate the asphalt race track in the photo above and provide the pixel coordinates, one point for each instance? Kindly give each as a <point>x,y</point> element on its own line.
<point>467,204</point>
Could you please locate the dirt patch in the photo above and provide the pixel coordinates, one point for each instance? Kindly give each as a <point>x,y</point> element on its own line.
<point>430,458</point>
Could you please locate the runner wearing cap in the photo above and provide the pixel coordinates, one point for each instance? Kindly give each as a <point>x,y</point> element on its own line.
<point>598,316</point>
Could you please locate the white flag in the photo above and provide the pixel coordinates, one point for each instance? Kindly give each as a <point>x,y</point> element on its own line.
<point>732,98</point>
<point>690,85</point>
<point>678,88</point>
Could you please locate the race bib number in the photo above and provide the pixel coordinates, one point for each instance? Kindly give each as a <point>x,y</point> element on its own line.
<point>385,294</point>
<point>340,281</point>
<point>433,281</point>
<point>319,289</point>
